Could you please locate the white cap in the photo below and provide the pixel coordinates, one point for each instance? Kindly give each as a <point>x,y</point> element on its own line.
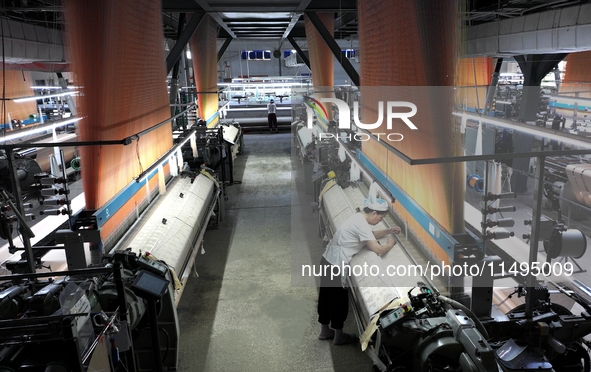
<point>378,205</point>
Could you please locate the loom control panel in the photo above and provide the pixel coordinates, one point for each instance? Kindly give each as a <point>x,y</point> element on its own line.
<point>147,262</point>
<point>394,315</point>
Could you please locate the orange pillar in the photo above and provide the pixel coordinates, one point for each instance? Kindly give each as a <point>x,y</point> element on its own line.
<point>577,76</point>
<point>474,71</point>
<point>321,59</point>
<point>473,76</point>
<point>120,64</point>
<point>412,44</point>
<point>204,56</point>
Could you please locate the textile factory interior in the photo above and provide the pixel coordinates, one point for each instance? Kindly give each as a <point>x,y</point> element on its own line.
<point>152,219</point>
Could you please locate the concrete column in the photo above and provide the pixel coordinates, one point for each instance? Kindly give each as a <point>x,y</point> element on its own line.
<point>534,67</point>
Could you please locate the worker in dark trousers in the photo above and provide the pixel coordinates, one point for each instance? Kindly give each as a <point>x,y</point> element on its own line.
<point>272,116</point>
<point>556,126</point>
<point>354,234</point>
<point>556,122</point>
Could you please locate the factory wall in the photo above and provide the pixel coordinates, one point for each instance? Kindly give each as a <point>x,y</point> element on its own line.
<point>17,84</point>
<point>238,67</point>
<point>271,67</point>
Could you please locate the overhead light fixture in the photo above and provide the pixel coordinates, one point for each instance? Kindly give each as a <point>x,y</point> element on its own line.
<point>260,83</point>
<point>188,54</point>
<point>46,87</point>
<point>266,15</point>
<point>38,129</point>
<point>34,98</point>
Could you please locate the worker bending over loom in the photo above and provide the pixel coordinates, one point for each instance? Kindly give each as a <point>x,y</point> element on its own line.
<point>349,239</point>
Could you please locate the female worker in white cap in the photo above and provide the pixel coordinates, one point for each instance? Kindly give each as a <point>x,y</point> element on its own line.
<point>353,234</point>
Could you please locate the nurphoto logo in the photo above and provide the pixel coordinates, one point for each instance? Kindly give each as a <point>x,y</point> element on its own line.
<point>314,106</point>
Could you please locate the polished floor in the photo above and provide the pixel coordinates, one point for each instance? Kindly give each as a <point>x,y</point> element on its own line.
<point>249,309</point>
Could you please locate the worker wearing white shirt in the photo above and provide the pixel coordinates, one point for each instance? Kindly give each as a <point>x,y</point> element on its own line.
<point>272,116</point>
<point>352,236</point>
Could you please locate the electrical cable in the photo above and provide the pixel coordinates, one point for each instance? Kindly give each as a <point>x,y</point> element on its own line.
<point>586,359</point>
<point>3,77</point>
<point>167,343</point>
<point>137,152</point>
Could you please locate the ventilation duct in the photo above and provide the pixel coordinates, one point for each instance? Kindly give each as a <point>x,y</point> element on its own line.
<point>25,43</point>
<point>556,31</point>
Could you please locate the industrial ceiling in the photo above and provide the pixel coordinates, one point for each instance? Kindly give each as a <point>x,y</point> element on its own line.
<point>277,19</point>
<point>31,29</point>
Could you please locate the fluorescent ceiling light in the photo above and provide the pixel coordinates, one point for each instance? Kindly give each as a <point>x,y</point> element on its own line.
<point>188,54</point>
<point>34,98</point>
<point>44,87</point>
<point>38,129</point>
<point>270,15</point>
<point>259,84</point>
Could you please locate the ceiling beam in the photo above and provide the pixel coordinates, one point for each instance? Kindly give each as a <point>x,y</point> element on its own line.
<point>224,47</point>
<point>334,47</point>
<point>300,52</point>
<point>292,6</point>
<point>175,69</point>
<point>180,6</point>
<point>205,5</point>
<point>296,17</point>
<point>19,9</point>
<point>182,40</point>
<point>299,31</point>
<point>344,19</point>
<point>170,21</point>
<point>260,31</point>
<point>292,23</point>
<point>332,5</point>
<point>231,8</point>
<point>249,21</point>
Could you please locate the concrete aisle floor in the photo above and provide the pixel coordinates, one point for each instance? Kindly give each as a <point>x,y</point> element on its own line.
<point>244,312</point>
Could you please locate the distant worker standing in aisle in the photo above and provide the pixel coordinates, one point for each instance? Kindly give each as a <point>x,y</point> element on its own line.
<point>272,116</point>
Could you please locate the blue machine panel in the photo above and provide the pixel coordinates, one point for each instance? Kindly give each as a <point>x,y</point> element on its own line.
<point>443,238</point>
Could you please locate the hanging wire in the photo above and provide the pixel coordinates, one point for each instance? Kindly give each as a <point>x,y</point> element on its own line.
<point>3,77</point>
<point>137,152</point>
<point>341,28</point>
